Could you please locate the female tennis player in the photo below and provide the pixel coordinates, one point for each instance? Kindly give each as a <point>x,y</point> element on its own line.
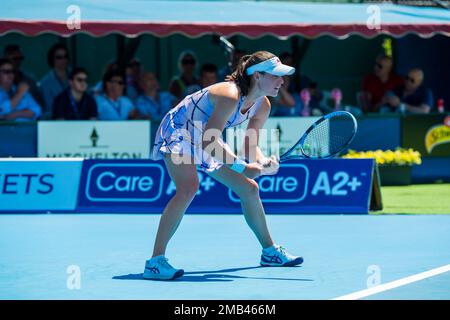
<point>181,140</point>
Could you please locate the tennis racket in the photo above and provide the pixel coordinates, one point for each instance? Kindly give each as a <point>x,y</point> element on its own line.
<point>325,138</point>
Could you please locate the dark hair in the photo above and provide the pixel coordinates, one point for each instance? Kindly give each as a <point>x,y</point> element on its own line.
<point>383,56</point>
<point>133,62</point>
<point>77,70</point>
<point>52,51</point>
<point>284,55</point>
<point>208,67</point>
<point>4,61</point>
<point>11,48</point>
<point>111,74</point>
<point>240,77</point>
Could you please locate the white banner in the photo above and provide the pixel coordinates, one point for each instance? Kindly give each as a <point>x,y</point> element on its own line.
<point>94,139</point>
<point>288,129</point>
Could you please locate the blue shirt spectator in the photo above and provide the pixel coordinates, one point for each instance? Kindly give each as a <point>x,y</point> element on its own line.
<point>113,104</point>
<point>155,109</point>
<point>109,109</point>
<point>133,75</point>
<point>16,103</point>
<point>51,86</point>
<point>14,53</point>
<point>56,80</point>
<point>8,112</point>
<point>153,104</point>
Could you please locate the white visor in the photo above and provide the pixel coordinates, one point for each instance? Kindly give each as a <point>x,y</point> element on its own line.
<point>272,66</point>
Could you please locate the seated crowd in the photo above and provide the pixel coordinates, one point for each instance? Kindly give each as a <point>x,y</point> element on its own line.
<point>133,93</point>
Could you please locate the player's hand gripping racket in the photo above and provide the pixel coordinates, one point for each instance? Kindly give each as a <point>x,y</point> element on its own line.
<point>325,138</point>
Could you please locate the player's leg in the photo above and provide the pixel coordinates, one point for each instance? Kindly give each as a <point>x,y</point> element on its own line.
<point>248,192</point>
<point>186,181</point>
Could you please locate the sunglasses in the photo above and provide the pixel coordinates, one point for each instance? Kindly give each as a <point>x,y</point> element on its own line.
<point>412,80</point>
<point>379,65</point>
<point>119,82</point>
<point>188,61</point>
<point>7,71</point>
<point>81,80</point>
<point>58,57</point>
<point>18,58</point>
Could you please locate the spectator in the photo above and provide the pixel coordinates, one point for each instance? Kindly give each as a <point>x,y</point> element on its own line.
<point>227,70</point>
<point>411,97</point>
<point>153,104</point>
<point>315,104</point>
<point>112,104</point>
<point>376,84</point>
<point>133,74</point>
<point>185,83</point>
<point>16,103</point>
<point>208,75</point>
<point>285,105</point>
<point>56,80</point>
<point>13,53</point>
<point>110,67</point>
<point>74,103</point>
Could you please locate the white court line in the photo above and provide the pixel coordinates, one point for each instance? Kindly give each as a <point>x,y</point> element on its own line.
<point>394,284</point>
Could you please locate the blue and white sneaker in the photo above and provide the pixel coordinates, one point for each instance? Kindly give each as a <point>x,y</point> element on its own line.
<point>277,256</point>
<point>158,268</point>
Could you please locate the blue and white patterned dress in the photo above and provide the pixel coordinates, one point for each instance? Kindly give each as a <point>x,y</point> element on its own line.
<point>191,116</point>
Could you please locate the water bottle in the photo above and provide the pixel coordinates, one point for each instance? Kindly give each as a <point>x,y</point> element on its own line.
<point>306,98</point>
<point>440,106</point>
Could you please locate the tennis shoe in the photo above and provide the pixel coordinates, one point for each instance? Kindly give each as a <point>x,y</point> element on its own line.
<point>158,268</point>
<point>277,256</point>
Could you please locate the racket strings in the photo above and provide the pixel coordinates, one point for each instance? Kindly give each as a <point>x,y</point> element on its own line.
<point>321,143</point>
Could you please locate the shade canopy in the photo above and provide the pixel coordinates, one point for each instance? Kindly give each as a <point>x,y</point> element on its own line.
<point>196,18</point>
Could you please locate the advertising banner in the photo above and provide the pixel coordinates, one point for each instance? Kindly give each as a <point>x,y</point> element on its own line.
<point>39,184</point>
<point>94,139</point>
<point>301,186</point>
<point>429,135</point>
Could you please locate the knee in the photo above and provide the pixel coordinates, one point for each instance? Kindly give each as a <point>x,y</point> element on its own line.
<point>250,188</point>
<point>187,191</point>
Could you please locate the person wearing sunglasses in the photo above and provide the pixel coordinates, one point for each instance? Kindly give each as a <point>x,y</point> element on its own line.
<point>56,80</point>
<point>412,97</point>
<point>14,53</point>
<point>186,82</point>
<point>113,104</point>
<point>376,84</point>
<point>16,103</point>
<point>74,103</point>
<point>133,73</point>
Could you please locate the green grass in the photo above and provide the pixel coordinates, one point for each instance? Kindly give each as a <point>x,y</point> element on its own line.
<point>416,199</point>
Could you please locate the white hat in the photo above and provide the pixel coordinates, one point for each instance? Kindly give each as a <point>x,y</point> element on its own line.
<point>272,66</point>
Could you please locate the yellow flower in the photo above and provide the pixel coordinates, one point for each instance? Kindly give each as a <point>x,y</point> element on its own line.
<point>398,157</point>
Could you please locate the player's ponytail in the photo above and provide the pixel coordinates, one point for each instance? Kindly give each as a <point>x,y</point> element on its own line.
<point>240,77</point>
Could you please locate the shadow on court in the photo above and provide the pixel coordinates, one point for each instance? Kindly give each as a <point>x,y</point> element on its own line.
<point>210,276</point>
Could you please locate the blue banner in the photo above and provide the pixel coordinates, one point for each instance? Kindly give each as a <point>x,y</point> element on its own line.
<point>301,186</point>
<point>39,185</point>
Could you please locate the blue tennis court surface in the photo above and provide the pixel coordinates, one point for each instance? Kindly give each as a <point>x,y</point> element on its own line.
<point>39,253</point>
